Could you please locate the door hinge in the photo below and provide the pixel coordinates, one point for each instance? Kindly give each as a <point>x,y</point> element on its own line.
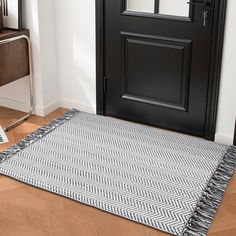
<point>104,85</point>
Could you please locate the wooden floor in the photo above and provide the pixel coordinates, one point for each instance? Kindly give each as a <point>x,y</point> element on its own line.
<point>28,211</point>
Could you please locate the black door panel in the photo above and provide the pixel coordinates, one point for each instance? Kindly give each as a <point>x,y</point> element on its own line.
<point>157,68</point>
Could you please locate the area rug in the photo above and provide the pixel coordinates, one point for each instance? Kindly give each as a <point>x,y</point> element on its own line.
<point>169,181</point>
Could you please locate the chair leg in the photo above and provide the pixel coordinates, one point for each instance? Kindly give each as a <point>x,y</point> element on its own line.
<point>22,119</point>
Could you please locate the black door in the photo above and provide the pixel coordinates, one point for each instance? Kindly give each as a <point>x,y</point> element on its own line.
<point>157,63</point>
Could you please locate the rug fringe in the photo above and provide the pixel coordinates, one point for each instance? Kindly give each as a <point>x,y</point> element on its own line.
<point>38,134</point>
<point>203,214</point>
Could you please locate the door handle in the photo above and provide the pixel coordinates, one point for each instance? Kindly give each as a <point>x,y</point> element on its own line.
<point>205,13</point>
<point>201,3</point>
<point>205,18</point>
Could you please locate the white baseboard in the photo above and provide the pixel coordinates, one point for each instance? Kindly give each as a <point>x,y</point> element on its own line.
<point>81,107</point>
<point>223,139</point>
<point>64,104</point>
<point>43,111</point>
<point>39,111</point>
<point>21,106</point>
<point>14,104</point>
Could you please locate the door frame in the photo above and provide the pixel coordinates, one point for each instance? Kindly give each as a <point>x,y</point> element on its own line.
<point>215,65</point>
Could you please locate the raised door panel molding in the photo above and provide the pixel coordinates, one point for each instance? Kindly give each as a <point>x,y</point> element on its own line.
<point>166,57</point>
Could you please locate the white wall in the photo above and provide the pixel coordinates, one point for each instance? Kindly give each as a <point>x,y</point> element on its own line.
<point>49,72</point>
<point>227,102</point>
<point>38,17</point>
<point>75,33</point>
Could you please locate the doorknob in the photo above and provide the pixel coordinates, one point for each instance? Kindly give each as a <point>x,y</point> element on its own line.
<point>201,3</point>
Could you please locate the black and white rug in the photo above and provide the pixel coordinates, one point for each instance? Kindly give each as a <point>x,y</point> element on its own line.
<point>168,181</point>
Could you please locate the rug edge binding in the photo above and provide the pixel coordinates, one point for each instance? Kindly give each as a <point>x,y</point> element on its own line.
<point>202,216</point>
<point>36,135</point>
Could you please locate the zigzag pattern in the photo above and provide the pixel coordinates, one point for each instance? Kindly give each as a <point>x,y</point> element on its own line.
<point>144,174</point>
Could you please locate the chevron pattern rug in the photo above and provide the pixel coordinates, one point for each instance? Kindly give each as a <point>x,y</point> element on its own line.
<point>168,181</point>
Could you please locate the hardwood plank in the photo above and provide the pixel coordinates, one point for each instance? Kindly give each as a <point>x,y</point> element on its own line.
<point>28,211</point>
